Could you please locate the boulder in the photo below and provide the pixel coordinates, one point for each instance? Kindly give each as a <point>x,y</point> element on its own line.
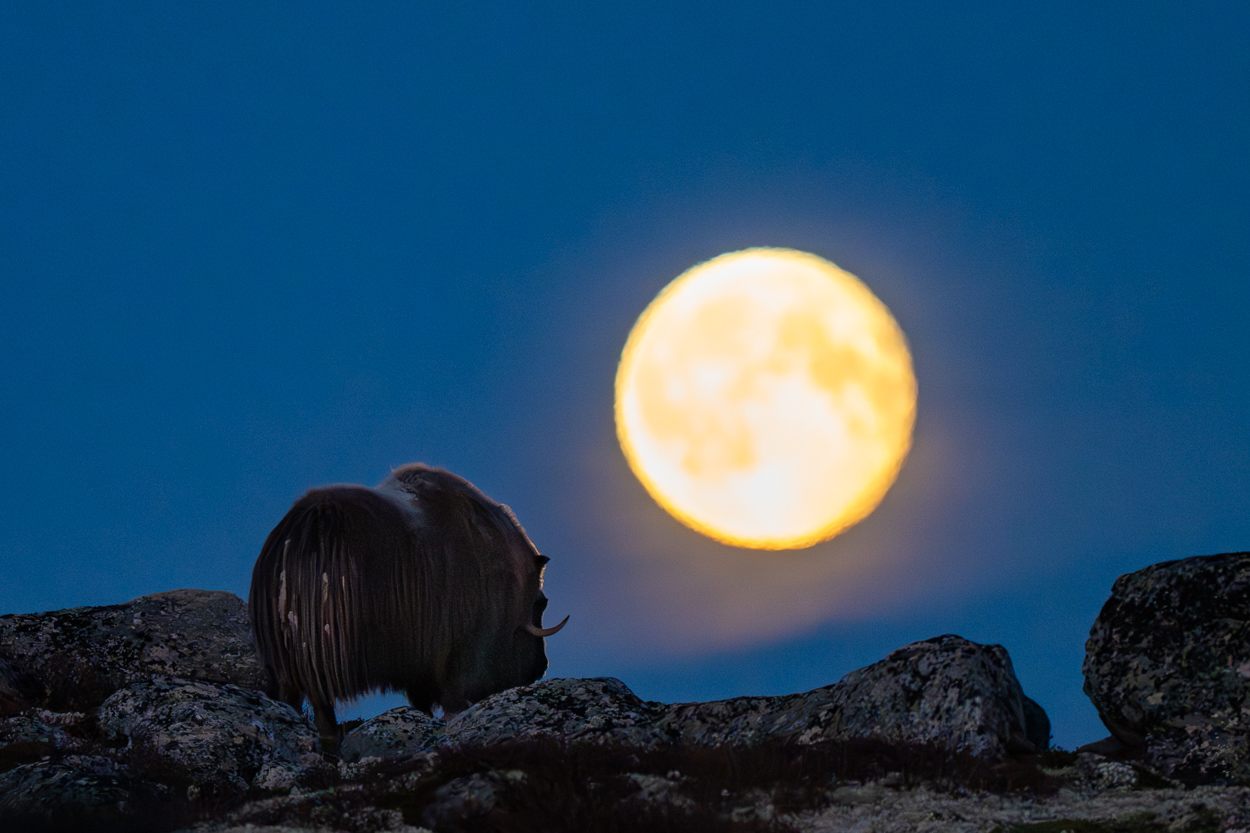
<point>72,660</point>
<point>395,734</point>
<point>467,799</point>
<point>216,740</point>
<point>946,691</point>
<point>600,709</point>
<point>27,738</point>
<point>15,687</point>
<point>79,792</point>
<point>146,750</point>
<point>741,721</point>
<point>1167,665</point>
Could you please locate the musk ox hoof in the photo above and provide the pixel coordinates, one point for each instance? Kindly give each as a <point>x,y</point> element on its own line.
<point>330,745</point>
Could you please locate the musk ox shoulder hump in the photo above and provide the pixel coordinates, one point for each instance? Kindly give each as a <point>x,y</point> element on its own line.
<point>373,521</point>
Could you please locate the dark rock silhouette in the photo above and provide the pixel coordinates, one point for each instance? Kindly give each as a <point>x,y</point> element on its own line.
<point>596,710</point>
<point>71,660</point>
<point>81,792</point>
<point>15,687</point>
<point>1167,665</point>
<point>217,739</point>
<point>947,691</point>
<point>98,736</point>
<point>398,733</point>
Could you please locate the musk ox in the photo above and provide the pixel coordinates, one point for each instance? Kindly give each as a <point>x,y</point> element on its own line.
<point>422,585</point>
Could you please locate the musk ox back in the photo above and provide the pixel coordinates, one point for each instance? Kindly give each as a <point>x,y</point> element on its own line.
<point>422,585</point>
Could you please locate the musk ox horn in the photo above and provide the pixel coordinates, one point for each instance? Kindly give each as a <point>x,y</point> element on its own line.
<point>545,632</point>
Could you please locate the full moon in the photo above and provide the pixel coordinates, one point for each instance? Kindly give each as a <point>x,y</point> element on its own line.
<point>766,398</point>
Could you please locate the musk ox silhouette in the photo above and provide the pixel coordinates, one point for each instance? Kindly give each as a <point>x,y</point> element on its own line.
<point>422,585</point>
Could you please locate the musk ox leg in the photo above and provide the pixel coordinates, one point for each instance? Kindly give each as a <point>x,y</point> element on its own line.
<point>422,696</point>
<point>327,726</point>
<point>453,702</point>
<point>289,694</point>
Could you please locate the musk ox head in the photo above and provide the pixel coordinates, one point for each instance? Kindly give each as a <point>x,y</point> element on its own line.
<point>422,585</point>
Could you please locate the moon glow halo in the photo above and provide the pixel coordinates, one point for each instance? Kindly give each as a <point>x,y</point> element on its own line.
<point>766,399</point>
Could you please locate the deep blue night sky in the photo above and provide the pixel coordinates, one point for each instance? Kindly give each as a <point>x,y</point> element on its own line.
<point>249,248</point>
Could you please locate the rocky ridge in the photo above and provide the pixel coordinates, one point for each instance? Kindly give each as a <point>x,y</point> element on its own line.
<point>71,660</point>
<point>148,716</point>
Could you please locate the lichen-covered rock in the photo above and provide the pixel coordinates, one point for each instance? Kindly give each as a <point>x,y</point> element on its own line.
<point>27,738</point>
<point>945,691</point>
<point>1105,774</point>
<point>468,799</point>
<point>71,660</point>
<point>398,733</point>
<point>217,739</point>
<point>15,687</point>
<point>1167,665</point>
<point>75,792</point>
<point>588,787</point>
<point>600,708</point>
<point>741,721</point>
<point>348,808</point>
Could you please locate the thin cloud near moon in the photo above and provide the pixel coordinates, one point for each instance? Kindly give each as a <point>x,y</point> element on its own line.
<point>677,592</point>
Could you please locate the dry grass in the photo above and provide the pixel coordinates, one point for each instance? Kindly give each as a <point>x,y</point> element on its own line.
<point>558,786</point>
<point>589,786</point>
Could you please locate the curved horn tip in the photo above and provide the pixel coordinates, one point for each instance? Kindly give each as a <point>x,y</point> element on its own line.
<point>545,632</point>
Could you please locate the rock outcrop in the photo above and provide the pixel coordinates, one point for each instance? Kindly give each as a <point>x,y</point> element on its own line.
<point>596,710</point>
<point>15,687</point>
<point>947,692</point>
<point>149,716</point>
<point>393,735</point>
<point>81,793</point>
<point>1167,665</point>
<point>217,740</point>
<point>72,660</point>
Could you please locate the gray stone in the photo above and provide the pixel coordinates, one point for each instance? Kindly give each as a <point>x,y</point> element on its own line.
<point>72,660</point>
<point>1167,665</point>
<point>15,687</point>
<point>945,691</point>
<point>88,792</point>
<point>468,798</point>
<point>741,721</point>
<point>398,733</point>
<point>658,789</point>
<point>204,747</point>
<point>1104,774</point>
<point>27,738</point>
<point>349,808</point>
<point>217,739</point>
<point>599,709</point>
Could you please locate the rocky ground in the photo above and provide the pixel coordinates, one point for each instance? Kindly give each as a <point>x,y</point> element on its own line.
<point>148,717</point>
<point>526,795</point>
